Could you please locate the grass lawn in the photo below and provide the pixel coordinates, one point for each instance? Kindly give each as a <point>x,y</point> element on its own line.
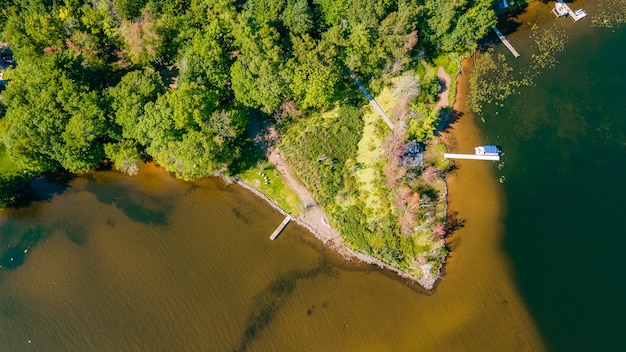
<point>276,188</point>
<point>370,152</point>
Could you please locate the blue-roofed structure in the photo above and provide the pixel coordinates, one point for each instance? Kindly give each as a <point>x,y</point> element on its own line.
<point>487,150</point>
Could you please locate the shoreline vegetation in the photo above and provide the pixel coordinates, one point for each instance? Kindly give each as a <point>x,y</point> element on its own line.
<point>184,84</point>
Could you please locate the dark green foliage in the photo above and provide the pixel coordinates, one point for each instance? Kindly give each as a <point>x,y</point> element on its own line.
<point>10,185</point>
<point>128,9</point>
<point>298,17</point>
<point>456,26</point>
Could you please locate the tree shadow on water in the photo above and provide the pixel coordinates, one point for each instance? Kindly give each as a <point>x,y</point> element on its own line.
<point>267,304</point>
<point>43,188</point>
<point>140,207</point>
<point>16,244</point>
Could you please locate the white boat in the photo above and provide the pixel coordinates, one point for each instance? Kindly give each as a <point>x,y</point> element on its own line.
<point>487,150</point>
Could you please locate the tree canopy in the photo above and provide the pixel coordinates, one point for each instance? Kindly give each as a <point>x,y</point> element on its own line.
<point>92,74</point>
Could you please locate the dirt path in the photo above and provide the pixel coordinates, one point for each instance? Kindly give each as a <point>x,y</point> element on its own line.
<point>312,216</point>
<point>444,78</point>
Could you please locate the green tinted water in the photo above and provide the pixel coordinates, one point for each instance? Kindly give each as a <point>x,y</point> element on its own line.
<point>565,144</point>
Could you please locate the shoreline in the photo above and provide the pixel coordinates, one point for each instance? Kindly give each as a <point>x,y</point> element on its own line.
<point>337,244</point>
<point>334,241</point>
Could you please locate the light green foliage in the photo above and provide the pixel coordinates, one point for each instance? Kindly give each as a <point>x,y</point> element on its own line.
<point>129,98</point>
<point>33,29</point>
<point>7,166</point>
<point>189,136</point>
<point>51,120</point>
<point>423,124</point>
<point>206,60</point>
<point>319,149</point>
<point>333,11</point>
<point>125,155</point>
<point>265,11</point>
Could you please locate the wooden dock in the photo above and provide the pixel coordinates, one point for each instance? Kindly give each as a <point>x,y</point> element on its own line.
<point>280,227</point>
<point>506,42</point>
<point>472,157</point>
<point>562,9</point>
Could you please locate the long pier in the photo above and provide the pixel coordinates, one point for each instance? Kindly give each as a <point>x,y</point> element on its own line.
<point>505,41</point>
<point>472,157</point>
<point>280,227</point>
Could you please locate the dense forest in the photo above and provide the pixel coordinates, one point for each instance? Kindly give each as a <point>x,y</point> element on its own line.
<point>177,81</point>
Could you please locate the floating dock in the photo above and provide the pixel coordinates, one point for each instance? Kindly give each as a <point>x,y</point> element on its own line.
<point>280,227</point>
<point>561,10</point>
<point>505,41</point>
<point>472,157</point>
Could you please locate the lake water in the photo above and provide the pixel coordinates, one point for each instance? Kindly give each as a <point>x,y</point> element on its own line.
<point>565,145</point>
<point>150,263</point>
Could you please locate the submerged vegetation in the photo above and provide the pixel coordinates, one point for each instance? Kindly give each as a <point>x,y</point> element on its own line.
<point>611,14</point>
<point>493,79</point>
<point>177,82</point>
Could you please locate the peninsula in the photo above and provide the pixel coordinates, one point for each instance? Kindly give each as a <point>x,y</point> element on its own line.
<point>261,91</point>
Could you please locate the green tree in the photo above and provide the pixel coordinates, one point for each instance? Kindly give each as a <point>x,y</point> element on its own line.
<point>52,120</point>
<point>129,99</point>
<point>456,26</point>
<point>298,17</point>
<point>204,151</point>
<point>125,155</point>
<point>206,60</point>
<point>33,29</point>
<point>315,73</point>
<point>259,77</point>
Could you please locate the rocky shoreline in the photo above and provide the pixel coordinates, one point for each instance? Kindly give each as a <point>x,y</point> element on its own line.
<point>339,246</point>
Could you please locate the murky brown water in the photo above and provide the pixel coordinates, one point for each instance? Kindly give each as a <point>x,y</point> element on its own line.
<point>149,263</point>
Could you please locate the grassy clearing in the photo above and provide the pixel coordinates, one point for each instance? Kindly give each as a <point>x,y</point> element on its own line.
<point>275,188</point>
<point>370,153</point>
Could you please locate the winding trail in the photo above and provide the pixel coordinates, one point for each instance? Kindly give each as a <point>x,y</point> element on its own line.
<point>313,216</point>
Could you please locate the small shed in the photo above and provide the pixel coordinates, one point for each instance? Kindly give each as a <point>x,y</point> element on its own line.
<point>413,154</point>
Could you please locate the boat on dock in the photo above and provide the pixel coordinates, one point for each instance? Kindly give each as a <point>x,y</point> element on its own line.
<point>487,150</point>
<point>561,9</point>
<point>483,152</point>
